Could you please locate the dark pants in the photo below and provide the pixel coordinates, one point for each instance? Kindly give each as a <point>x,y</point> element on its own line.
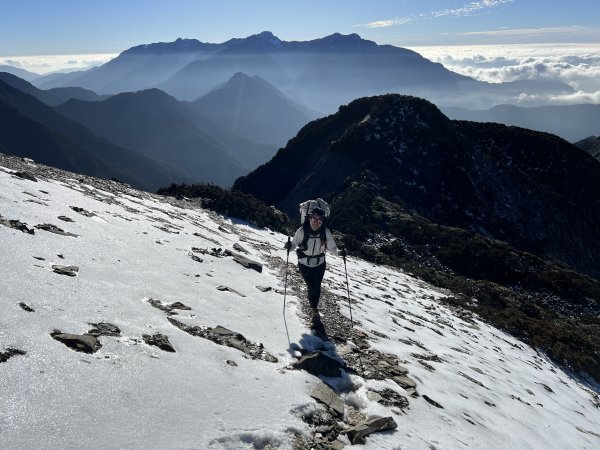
<point>313,276</point>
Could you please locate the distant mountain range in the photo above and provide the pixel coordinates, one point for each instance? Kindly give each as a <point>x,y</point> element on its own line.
<point>571,122</point>
<point>164,128</point>
<point>30,128</point>
<point>320,74</point>
<point>18,72</point>
<point>51,97</point>
<point>215,139</point>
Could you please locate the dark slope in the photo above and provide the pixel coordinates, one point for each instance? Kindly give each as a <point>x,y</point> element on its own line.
<point>27,120</point>
<point>168,130</point>
<point>533,190</point>
<point>51,97</point>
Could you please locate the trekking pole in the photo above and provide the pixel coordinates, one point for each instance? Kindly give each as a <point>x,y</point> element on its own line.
<point>348,288</point>
<point>285,293</point>
<point>286,275</point>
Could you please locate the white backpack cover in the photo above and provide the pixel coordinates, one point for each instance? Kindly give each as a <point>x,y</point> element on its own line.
<point>307,208</point>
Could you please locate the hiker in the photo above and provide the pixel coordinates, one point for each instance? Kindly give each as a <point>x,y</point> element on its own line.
<point>311,241</point>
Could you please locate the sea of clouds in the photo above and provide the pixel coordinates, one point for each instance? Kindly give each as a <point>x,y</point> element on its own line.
<point>578,65</point>
<point>44,64</point>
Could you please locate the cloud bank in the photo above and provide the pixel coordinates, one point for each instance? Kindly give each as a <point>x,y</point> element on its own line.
<point>578,65</point>
<point>44,64</point>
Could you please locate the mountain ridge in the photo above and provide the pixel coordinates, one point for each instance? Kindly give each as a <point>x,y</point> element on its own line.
<point>114,161</point>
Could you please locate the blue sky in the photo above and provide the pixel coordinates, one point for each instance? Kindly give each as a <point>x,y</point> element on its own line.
<point>41,27</point>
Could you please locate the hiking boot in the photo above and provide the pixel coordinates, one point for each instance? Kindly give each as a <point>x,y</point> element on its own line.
<point>315,317</point>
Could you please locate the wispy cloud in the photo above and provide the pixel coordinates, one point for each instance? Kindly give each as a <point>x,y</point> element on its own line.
<point>579,29</point>
<point>470,9</point>
<point>467,10</point>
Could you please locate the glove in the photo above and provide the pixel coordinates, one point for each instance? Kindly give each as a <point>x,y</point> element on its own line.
<point>288,245</point>
<point>342,253</point>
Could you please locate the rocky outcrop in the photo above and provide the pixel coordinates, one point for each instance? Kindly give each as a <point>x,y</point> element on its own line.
<point>223,336</point>
<point>320,364</point>
<point>9,353</point>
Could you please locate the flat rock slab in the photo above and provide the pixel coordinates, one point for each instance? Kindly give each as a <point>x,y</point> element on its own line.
<point>264,288</point>
<point>223,336</point>
<point>228,289</point>
<point>168,308</point>
<point>357,434</point>
<point>26,307</point>
<point>82,211</point>
<point>54,229</point>
<point>70,271</point>
<point>79,342</point>
<point>324,394</point>
<point>159,340</point>
<point>248,263</point>
<point>17,225</point>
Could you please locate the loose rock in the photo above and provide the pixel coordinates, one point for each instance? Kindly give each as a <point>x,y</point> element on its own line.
<point>248,263</point>
<point>319,363</point>
<point>324,394</point>
<point>9,353</point>
<point>70,271</point>
<point>358,433</point>
<point>26,307</point>
<point>79,342</point>
<point>159,340</point>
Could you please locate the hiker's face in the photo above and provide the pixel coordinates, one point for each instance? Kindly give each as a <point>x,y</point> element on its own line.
<point>315,222</point>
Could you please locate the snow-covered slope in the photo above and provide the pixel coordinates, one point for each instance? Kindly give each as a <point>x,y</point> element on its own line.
<point>474,386</point>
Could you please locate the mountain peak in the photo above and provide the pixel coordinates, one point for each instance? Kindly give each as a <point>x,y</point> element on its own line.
<point>180,45</point>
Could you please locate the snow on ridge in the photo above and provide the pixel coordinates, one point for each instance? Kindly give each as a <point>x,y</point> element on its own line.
<point>494,391</point>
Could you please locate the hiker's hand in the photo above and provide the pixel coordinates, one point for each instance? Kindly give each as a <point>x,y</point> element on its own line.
<point>288,245</point>
<point>343,253</point>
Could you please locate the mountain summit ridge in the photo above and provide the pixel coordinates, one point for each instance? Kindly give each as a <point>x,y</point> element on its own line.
<point>455,173</point>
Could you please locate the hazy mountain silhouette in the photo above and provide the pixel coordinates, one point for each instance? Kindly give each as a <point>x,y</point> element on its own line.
<point>320,74</point>
<point>571,122</point>
<point>18,72</point>
<point>61,79</point>
<point>590,144</point>
<point>253,108</point>
<point>164,128</point>
<point>533,190</point>
<point>137,68</point>
<point>29,128</point>
<point>51,97</point>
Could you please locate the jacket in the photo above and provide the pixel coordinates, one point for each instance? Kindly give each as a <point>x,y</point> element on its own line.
<point>314,254</point>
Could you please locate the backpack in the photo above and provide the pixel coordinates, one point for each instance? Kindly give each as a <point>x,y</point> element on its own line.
<point>306,209</point>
